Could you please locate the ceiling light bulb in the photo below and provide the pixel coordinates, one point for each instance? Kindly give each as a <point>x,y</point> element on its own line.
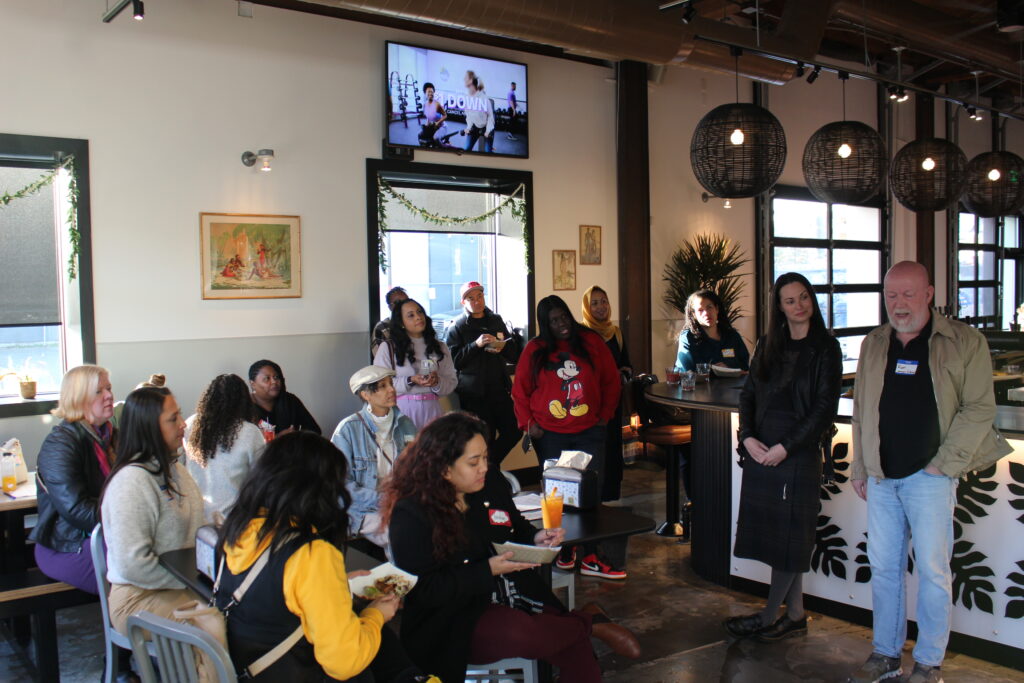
<point>928,164</point>
<point>737,137</point>
<point>844,151</point>
<point>903,96</point>
<point>994,174</point>
<point>892,93</point>
<point>266,166</point>
<point>727,204</point>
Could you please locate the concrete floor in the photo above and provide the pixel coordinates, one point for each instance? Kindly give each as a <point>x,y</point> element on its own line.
<point>676,615</point>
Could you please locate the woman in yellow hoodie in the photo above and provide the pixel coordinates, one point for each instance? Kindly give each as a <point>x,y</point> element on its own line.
<point>294,501</point>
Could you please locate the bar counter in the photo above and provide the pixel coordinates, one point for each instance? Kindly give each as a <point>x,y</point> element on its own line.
<point>988,554</point>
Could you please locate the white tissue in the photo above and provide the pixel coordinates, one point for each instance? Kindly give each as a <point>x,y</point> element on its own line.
<point>577,460</point>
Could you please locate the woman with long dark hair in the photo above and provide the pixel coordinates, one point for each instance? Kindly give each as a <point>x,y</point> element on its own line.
<point>222,443</point>
<point>150,505</point>
<point>445,508</point>
<point>708,336</point>
<point>787,408</point>
<point>566,390</point>
<point>423,366</point>
<point>279,410</point>
<point>294,503</point>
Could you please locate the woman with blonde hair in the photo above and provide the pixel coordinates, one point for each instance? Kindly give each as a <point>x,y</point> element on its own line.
<point>74,461</point>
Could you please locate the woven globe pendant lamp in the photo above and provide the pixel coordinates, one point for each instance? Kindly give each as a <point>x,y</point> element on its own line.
<point>738,150</point>
<point>928,175</point>
<point>995,184</point>
<point>845,162</point>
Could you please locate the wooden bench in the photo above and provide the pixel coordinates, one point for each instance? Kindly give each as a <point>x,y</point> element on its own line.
<point>34,595</point>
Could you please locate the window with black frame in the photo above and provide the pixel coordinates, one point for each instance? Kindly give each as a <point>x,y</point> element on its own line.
<point>46,321</point>
<point>840,249</point>
<point>988,258</point>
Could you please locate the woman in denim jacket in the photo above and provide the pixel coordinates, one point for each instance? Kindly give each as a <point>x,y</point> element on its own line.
<point>371,440</point>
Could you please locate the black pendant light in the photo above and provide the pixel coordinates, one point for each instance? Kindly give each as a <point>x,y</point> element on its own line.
<point>995,184</point>
<point>928,175</point>
<point>738,150</point>
<point>844,162</point>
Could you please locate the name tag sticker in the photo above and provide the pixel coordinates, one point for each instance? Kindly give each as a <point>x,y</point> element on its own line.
<point>728,353</point>
<point>906,367</point>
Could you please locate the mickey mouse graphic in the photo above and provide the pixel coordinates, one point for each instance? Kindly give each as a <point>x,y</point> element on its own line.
<point>572,387</point>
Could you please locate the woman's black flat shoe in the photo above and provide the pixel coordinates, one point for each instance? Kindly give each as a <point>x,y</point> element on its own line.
<point>744,626</point>
<point>783,628</point>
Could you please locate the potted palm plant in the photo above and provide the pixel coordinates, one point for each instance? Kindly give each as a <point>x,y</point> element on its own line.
<point>705,262</point>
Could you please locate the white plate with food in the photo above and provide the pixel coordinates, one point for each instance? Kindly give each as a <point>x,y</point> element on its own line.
<point>382,580</point>
<point>722,371</point>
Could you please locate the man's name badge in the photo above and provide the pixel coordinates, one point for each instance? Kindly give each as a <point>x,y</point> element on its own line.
<point>728,353</point>
<point>906,367</point>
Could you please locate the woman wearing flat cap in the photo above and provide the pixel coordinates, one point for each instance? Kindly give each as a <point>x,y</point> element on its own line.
<point>371,440</point>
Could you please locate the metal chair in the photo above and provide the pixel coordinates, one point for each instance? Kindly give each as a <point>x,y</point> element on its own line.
<point>499,671</point>
<point>111,638</point>
<point>173,645</point>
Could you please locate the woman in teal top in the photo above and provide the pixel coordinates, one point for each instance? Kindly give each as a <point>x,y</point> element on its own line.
<point>706,338</point>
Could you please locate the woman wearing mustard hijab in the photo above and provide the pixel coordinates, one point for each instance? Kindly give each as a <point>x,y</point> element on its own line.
<point>597,315</point>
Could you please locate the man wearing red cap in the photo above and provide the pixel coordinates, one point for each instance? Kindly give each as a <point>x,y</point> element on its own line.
<point>481,348</point>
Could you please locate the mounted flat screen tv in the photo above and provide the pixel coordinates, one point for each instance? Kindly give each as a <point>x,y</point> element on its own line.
<point>447,101</point>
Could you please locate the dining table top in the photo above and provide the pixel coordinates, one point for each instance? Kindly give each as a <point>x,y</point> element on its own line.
<point>21,498</point>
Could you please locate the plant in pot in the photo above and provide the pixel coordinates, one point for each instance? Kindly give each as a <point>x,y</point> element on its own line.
<point>705,262</point>
<point>26,382</point>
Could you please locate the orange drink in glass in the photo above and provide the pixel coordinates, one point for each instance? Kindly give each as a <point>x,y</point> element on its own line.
<point>551,509</point>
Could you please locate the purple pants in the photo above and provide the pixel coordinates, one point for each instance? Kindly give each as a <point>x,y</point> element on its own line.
<point>72,568</point>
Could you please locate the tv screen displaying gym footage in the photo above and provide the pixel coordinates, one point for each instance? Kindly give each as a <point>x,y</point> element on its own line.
<point>447,101</point>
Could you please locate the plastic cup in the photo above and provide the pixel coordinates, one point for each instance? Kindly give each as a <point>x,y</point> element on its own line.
<point>551,510</point>
<point>688,381</point>
<point>672,376</point>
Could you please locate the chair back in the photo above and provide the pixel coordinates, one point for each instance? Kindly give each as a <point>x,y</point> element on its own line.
<point>173,645</point>
<point>502,671</point>
<point>98,548</point>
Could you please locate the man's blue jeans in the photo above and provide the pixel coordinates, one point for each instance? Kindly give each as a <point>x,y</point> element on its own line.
<point>919,506</point>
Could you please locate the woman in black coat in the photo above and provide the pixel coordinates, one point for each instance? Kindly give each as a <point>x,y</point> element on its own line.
<point>73,463</point>
<point>444,510</point>
<point>787,407</point>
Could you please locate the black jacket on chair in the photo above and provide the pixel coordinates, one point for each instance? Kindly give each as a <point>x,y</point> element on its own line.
<point>813,394</point>
<point>68,483</point>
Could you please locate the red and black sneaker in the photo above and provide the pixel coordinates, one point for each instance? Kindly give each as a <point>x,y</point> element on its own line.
<point>566,559</point>
<point>592,565</point>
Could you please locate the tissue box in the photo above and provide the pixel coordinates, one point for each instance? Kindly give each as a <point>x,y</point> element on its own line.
<point>579,488</point>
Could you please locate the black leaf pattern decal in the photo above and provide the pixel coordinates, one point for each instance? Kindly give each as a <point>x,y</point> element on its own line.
<point>839,466</point>
<point>1015,608</point>
<point>863,573</point>
<point>972,495</point>
<point>829,554</point>
<point>1017,474</point>
<point>970,587</point>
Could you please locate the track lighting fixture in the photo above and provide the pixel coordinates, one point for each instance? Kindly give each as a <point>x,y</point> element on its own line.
<point>901,95</point>
<point>971,110</point>
<point>689,13</point>
<point>813,76</point>
<point>800,69</point>
<point>138,10</point>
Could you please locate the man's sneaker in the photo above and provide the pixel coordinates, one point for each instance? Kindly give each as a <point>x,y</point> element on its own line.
<point>925,674</point>
<point>592,565</point>
<point>877,668</point>
<point>566,560</point>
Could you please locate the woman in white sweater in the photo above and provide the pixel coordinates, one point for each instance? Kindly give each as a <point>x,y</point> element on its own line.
<point>423,366</point>
<point>150,505</point>
<point>222,444</point>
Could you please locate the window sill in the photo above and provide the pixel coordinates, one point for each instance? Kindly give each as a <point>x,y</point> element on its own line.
<point>15,406</point>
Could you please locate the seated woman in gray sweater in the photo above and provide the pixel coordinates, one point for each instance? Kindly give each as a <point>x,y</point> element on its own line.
<point>150,505</point>
<point>222,443</point>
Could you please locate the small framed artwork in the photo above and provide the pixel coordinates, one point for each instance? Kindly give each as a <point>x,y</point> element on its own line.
<point>247,256</point>
<point>590,245</point>
<point>563,269</point>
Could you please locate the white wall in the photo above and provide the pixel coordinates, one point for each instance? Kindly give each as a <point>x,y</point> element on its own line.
<point>168,106</point>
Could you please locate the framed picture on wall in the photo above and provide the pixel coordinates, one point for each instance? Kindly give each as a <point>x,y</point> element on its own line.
<point>590,245</point>
<point>248,256</point>
<point>563,269</point>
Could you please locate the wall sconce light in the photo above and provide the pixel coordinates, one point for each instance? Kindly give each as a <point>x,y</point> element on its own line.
<point>704,197</point>
<point>264,156</point>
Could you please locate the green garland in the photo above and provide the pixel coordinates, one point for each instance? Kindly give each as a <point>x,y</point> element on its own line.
<point>515,203</point>
<point>72,220</point>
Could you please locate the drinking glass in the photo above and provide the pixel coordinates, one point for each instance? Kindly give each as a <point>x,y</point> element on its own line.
<point>672,376</point>
<point>551,510</point>
<point>688,381</point>
<point>704,372</point>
